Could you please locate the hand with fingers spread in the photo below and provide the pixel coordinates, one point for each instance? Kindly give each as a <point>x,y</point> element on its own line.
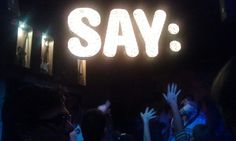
<point>148,115</point>
<point>171,98</point>
<point>172,94</point>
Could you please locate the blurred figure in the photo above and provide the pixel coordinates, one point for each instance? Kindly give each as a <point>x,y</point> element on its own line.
<point>109,133</point>
<point>223,92</point>
<point>191,115</point>
<point>165,123</point>
<point>21,56</point>
<point>105,108</point>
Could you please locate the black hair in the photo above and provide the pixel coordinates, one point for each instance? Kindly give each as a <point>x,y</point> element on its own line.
<point>93,125</point>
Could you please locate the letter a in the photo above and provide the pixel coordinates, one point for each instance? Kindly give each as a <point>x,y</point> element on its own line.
<point>119,18</point>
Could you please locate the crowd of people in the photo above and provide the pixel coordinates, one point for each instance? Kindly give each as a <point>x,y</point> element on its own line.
<point>41,115</point>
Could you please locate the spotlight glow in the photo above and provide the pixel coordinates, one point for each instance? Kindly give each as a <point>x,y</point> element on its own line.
<point>175,46</point>
<point>20,32</point>
<point>22,25</point>
<point>44,36</point>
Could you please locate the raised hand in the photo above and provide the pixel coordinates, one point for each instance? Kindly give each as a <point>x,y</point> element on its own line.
<point>76,134</point>
<point>148,115</point>
<point>172,94</point>
<point>171,98</point>
<point>104,108</point>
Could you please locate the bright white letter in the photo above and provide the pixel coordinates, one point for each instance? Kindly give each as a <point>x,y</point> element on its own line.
<point>151,35</point>
<point>119,18</point>
<point>77,26</point>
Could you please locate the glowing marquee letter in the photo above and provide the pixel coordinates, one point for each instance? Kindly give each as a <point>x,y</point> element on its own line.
<point>77,26</point>
<point>151,35</point>
<point>119,18</point>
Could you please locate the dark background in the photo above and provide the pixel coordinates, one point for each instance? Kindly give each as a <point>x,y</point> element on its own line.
<point>133,83</point>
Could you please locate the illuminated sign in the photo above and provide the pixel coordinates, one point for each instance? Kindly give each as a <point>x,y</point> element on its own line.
<point>119,20</point>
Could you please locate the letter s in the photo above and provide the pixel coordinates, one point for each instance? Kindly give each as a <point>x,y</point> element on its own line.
<point>77,26</point>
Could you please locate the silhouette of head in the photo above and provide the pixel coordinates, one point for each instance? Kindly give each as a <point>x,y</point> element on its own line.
<point>93,125</point>
<point>224,92</point>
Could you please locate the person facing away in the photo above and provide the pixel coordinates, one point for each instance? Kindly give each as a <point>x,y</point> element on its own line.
<point>224,94</point>
<point>93,125</point>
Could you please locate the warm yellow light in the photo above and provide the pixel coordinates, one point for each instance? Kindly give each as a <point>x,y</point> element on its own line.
<point>46,43</point>
<point>151,35</point>
<point>175,46</point>
<point>20,32</point>
<point>120,19</point>
<point>173,28</point>
<point>85,32</point>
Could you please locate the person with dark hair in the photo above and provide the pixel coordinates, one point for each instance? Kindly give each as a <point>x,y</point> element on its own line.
<point>36,113</point>
<point>93,125</point>
<point>21,56</point>
<point>191,115</point>
<point>223,92</point>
